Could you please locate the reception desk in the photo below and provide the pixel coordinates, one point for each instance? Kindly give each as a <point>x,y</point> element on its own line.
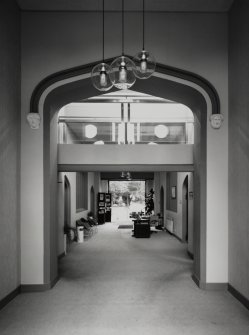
<point>141,228</point>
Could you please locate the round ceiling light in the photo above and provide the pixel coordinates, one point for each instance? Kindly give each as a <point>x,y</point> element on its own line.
<point>161,131</point>
<point>90,131</point>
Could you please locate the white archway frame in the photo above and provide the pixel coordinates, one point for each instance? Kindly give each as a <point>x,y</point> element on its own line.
<point>208,244</point>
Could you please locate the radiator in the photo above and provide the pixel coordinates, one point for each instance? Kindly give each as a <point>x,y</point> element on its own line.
<point>170,225</point>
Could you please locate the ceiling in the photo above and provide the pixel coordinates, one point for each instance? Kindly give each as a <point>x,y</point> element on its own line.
<point>130,5</point>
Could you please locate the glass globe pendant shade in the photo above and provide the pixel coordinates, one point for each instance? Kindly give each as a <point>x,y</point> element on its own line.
<point>122,75</point>
<point>101,77</point>
<point>145,64</point>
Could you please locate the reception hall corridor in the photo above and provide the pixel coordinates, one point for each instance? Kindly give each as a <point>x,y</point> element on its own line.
<point>113,283</point>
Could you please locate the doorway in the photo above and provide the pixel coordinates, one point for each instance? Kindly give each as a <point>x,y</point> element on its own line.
<point>185,209</point>
<point>67,203</point>
<point>128,197</point>
<point>92,200</point>
<point>202,100</point>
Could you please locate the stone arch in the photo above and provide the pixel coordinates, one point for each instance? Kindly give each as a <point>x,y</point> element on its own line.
<point>74,84</point>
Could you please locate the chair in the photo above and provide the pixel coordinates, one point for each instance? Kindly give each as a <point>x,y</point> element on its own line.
<point>93,223</point>
<point>154,220</point>
<point>88,231</point>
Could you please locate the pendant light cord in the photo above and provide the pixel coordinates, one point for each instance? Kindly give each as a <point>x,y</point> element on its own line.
<point>143,24</point>
<point>122,27</point>
<point>103,31</point>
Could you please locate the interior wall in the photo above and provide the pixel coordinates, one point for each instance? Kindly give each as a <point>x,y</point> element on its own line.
<point>9,147</point>
<point>157,191</point>
<point>177,179</point>
<point>97,188</point>
<point>104,186</point>
<point>160,181</point>
<point>191,197</point>
<point>57,45</point>
<point>115,154</point>
<point>61,214</point>
<point>75,215</point>
<point>174,211</point>
<point>171,202</point>
<point>239,147</point>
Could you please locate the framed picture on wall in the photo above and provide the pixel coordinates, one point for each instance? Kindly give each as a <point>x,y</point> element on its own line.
<point>173,192</point>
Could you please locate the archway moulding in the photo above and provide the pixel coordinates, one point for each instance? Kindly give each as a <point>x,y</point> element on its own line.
<point>74,84</point>
<point>64,77</point>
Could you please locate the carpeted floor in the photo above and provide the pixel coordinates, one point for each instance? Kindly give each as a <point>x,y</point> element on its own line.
<point>116,284</point>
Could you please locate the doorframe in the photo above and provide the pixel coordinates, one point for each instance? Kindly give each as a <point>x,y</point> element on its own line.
<point>67,199</point>
<point>47,99</point>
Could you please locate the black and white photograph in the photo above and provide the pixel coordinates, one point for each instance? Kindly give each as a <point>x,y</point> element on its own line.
<point>124,164</point>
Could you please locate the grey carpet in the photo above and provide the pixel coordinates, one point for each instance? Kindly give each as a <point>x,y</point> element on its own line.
<point>115,284</point>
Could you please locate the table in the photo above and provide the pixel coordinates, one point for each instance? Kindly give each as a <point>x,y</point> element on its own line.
<point>141,228</point>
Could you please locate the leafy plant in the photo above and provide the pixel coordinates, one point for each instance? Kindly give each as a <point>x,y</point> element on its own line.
<point>149,202</point>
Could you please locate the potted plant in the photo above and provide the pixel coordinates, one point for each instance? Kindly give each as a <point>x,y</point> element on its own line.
<point>149,202</point>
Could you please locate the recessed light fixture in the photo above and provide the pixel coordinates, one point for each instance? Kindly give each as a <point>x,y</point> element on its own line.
<point>90,131</point>
<point>161,131</point>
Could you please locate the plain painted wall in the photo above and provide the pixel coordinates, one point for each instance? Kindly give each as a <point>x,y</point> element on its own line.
<point>75,215</point>
<point>177,215</point>
<point>161,181</point>
<point>239,148</point>
<point>113,154</point>
<point>9,147</point>
<point>184,40</point>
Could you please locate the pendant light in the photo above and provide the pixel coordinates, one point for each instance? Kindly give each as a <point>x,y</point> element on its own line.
<point>122,75</point>
<point>101,72</point>
<point>145,63</point>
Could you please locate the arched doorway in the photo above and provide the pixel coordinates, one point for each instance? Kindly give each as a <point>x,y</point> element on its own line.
<point>173,84</point>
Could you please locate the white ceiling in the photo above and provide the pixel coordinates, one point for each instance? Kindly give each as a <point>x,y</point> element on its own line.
<point>130,5</point>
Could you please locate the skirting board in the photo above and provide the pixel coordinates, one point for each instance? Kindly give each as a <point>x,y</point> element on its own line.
<point>26,289</point>
<point>9,297</point>
<point>210,286</point>
<point>238,296</point>
<point>63,254</point>
<point>38,287</point>
<point>172,234</point>
<point>190,255</point>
